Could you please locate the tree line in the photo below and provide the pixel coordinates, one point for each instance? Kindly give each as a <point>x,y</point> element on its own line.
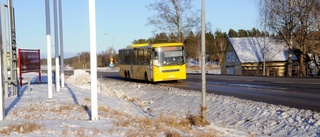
<point>216,42</point>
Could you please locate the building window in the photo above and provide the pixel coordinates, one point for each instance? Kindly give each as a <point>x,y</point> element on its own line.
<point>231,57</point>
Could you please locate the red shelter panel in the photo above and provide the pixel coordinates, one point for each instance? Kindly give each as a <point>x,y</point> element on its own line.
<point>29,61</point>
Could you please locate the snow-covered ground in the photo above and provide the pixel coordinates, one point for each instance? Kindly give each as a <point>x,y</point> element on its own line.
<point>140,109</point>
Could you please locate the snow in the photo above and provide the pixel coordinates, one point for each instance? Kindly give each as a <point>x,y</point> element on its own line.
<point>134,109</point>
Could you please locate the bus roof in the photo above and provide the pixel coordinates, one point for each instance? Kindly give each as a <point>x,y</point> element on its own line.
<point>139,45</point>
<point>155,45</point>
<point>166,44</point>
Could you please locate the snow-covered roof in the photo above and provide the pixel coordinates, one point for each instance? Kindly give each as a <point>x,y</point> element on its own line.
<point>250,49</point>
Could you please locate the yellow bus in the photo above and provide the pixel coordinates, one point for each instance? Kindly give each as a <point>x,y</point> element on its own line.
<point>153,62</point>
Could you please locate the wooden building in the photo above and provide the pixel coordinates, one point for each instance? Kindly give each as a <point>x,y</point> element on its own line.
<point>244,56</point>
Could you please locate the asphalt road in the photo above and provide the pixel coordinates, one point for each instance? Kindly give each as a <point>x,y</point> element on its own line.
<point>303,93</point>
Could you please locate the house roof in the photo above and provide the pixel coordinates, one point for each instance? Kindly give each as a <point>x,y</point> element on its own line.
<point>250,49</point>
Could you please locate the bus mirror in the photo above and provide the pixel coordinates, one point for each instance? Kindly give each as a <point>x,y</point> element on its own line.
<point>156,62</point>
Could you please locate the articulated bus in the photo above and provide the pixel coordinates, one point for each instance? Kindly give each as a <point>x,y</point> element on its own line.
<point>153,62</point>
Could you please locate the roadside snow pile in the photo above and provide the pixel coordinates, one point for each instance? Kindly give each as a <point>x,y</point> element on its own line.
<point>80,78</point>
<point>108,69</point>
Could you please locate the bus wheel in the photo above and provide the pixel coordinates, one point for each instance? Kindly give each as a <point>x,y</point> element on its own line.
<point>125,75</point>
<point>146,77</point>
<point>128,75</point>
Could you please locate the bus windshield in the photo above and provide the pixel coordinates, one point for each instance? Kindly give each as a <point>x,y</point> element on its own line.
<point>163,57</point>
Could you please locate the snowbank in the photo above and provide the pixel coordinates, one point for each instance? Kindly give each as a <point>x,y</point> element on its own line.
<point>227,114</point>
<point>139,109</point>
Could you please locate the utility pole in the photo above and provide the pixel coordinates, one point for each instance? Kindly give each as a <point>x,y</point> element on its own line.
<point>2,85</point>
<point>203,62</point>
<point>13,48</point>
<point>56,44</point>
<point>264,40</point>
<point>49,64</point>
<point>93,60</point>
<point>61,44</point>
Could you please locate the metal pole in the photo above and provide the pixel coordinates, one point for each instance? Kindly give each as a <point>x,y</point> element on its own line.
<point>56,43</point>
<point>61,44</point>
<point>264,41</point>
<point>10,25</point>
<point>264,56</point>
<point>93,60</point>
<point>203,61</point>
<point>2,109</point>
<point>48,36</point>
<point>4,49</point>
<point>14,51</point>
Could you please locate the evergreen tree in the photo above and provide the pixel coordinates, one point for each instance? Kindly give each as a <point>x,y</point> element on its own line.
<point>161,38</point>
<point>191,45</point>
<point>242,33</point>
<point>232,33</point>
<point>211,47</point>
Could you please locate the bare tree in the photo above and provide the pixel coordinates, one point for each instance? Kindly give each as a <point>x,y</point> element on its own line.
<point>280,17</point>
<point>307,14</point>
<point>174,16</point>
<point>292,20</point>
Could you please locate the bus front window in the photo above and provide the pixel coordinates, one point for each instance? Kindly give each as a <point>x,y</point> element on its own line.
<point>165,58</point>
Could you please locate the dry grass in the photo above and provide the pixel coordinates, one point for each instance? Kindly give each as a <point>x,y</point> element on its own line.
<point>87,99</point>
<point>198,120</point>
<point>182,124</point>
<point>123,123</point>
<point>33,109</point>
<point>124,97</point>
<point>65,132</point>
<point>24,128</point>
<point>166,124</point>
<point>172,126</point>
<point>105,111</point>
<point>132,99</point>
<point>81,132</point>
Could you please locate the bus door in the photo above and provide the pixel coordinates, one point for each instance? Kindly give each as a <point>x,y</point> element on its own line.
<point>151,57</point>
<point>131,61</point>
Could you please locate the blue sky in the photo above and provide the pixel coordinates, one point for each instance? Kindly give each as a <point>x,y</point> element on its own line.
<point>124,20</point>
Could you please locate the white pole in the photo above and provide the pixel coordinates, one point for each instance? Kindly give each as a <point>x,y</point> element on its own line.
<point>264,42</point>
<point>93,60</point>
<point>61,44</point>
<point>49,65</point>
<point>3,55</point>
<point>4,48</point>
<point>56,43</point>
<point>2,85</point>
<point>2,109</point>
<point>203,60</point>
